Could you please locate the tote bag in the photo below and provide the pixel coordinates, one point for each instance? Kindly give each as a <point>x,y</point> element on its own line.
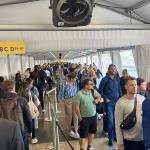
<point>33,109</point>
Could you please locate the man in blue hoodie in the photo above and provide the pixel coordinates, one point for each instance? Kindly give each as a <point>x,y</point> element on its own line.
<point>146,122</point>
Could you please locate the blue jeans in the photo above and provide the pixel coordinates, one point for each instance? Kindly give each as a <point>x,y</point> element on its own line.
<point>25,137</point>
<point>111,120</point>
<point>147,147</point>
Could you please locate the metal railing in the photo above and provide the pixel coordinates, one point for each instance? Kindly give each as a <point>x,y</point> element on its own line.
<point>52,117</point>
<point>56,143</point>
<point>48,94</point>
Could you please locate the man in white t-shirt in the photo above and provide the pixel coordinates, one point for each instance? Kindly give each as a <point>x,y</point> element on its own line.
<point>131,139</point>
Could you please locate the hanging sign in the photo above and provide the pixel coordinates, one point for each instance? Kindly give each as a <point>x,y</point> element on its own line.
<point>12,47</point>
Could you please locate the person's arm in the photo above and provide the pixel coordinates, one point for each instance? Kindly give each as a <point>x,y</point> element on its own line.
<point>17,141</point>
<point>33,97</point>
<point>76,104</point>
<point>101,88</point>
<point>120,92</point>
<point>97,97</point>
<point>77,111</point>
<point>118,121</point>
<point>76,87</point>
<point>20,115</point>
<point>43,78</point>
<point>61,91</point>
<point>28,117</point>
<point>36,91</point>
<point>119,88</point>
<point>26,113</point>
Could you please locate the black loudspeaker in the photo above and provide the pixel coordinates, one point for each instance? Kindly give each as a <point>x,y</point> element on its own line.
<point>72,13</point>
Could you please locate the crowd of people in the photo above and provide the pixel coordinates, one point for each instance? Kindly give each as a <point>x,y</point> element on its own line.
<point>124,102</point>
<point>21,100</point>
<point>85,93</point>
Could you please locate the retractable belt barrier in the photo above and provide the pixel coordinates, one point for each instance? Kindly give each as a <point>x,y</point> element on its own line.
<point>49,118</point>
<point>52,111</point>
<point>56,126</point>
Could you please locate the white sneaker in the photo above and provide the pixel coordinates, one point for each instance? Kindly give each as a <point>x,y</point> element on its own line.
<point>76,135</point>
<point>71,134</point>
<point>34,141</point>
<point>99,117</point>
<point>43,110</point>
<point>90,147</point>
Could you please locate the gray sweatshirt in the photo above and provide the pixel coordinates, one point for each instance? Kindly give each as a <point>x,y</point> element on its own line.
<point>123,108</point>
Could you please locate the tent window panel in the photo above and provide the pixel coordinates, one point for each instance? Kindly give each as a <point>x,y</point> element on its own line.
<point>72,60</point>
<point>89,60</point>
<point>4,66</point>
<point>77,60</point>
<point>31,62</point>
<point>15,65</point>
<point>106,61</point>
<point>83,60</point>
<point>128,62</point>
<point>95,60</point>
<point>25,63</point>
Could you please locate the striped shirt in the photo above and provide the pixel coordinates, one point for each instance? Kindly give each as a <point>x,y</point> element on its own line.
<point>67,91</point>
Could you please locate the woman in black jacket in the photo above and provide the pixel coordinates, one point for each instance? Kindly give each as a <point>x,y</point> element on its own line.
<point>27,119</point>
<point>39,77</point>
<point>18,82</point>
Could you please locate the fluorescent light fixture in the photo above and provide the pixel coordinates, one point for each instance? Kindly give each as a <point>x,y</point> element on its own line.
<point>52,55</point>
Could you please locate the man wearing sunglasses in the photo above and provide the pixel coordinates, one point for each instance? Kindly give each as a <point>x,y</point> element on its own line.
<point>85,107</point>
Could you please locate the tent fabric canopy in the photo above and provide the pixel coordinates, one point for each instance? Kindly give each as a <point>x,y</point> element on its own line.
<point>38,12</point>
<point>76,42</point>
<point>142,58</point>
<point>72,44</point>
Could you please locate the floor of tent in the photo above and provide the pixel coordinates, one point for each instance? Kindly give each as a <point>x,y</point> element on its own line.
<point>44,133</point>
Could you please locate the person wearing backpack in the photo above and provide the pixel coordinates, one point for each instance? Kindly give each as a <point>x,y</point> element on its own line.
<point>27,94</point>
<point>15,107</point>
<point>146,122</point>
<point>36,93</point>
<point>39,77</point>
<point>85,107</point>
<point>9,107</point>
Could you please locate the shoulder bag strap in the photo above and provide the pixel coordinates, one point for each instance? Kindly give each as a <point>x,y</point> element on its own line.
<point>30,96</point>
<point>135,104</point>
<point>92,91</point>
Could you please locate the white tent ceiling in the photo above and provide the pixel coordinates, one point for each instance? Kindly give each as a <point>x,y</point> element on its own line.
<point>106,12</point>
<point>75,43</point>
<point>38,12</point>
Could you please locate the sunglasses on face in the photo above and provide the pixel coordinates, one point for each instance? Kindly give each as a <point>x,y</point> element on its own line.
<point>91,84</point>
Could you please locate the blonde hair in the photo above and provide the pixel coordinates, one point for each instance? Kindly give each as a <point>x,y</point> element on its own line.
<point>8,85</point>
